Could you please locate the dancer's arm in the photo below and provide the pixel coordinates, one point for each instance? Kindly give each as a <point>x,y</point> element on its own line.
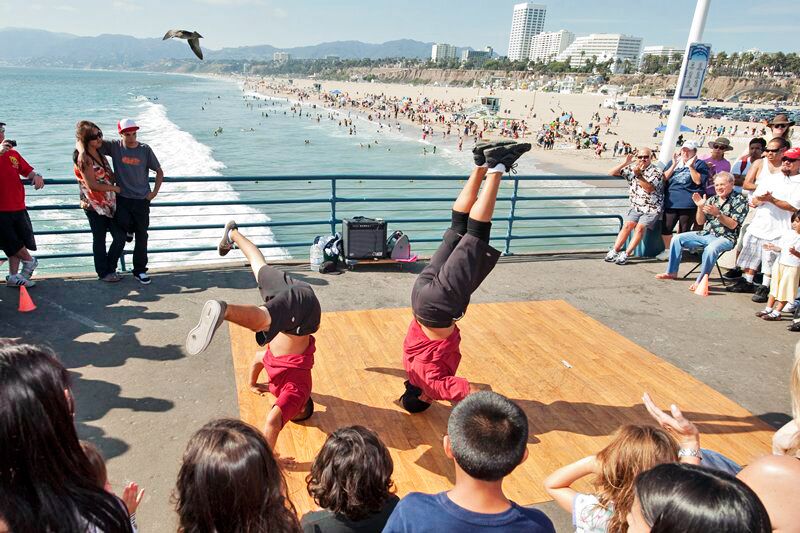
<point>255,370</point>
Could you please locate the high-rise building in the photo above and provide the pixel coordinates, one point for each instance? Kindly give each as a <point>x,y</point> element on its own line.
<point>602,47</point>
<point>442,52</point>
<point>547,45</point>
<point>527,21</point>
<point>478,56</point>
<point>675,55</point>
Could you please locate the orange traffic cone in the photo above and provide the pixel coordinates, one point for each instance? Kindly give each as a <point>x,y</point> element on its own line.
<point>702,287</point>
<point>25,302</point>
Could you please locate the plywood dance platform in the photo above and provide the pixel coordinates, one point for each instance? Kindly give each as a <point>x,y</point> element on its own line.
<point>576,379</point>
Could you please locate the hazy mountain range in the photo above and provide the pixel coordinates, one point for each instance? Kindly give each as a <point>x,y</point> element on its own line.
<point>20,46</point>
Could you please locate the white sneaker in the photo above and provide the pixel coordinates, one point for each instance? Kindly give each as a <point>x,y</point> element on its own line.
<point>611,256</point>
<point>28,267</point>
<point>18,280</point>
<point>622,258</point>
<point>788,308</point>
<point>663,256</point>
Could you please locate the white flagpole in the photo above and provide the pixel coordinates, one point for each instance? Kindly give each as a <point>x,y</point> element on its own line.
<point>678,105</point>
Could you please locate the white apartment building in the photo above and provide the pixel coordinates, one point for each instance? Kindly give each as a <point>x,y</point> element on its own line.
<point>527,21</point>
<point>281,57</point>
<point>602,46</point>
<point>547,45</point>
<point>477,55</point>
<point>663,51</point>
<point>442,52</point>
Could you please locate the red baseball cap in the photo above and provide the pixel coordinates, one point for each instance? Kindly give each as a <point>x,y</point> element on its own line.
<point>126,124</point>
<point>791,153</point>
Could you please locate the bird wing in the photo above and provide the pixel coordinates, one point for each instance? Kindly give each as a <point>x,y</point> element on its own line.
<point>194,44</point>
<point>170,34</point>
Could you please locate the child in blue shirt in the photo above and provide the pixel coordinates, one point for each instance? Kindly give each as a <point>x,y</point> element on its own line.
<point>487,438</point>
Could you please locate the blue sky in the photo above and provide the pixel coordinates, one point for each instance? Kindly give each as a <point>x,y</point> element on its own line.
<point>733,25</point>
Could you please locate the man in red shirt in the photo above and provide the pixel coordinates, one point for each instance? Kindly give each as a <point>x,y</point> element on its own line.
<point>442,291</point>
<point>16,231</point>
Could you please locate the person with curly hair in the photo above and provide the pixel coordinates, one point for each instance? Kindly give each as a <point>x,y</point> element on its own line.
<point>351,481</point>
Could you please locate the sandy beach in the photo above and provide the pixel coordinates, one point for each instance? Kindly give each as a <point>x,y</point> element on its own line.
<point>534,107</point>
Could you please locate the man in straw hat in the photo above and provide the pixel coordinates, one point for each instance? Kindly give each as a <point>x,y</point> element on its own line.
<point>716,161</point>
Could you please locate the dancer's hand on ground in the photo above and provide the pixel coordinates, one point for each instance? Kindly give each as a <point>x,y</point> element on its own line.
<point>676,424</point>
<point>132,497</point>
<point>259,388</point>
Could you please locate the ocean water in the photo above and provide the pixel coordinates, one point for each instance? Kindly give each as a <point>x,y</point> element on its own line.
<point>179,116</point>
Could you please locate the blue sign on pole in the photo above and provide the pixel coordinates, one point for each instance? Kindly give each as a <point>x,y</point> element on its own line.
<point>694,72</point>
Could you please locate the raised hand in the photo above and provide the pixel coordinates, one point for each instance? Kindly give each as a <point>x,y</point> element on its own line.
<point>676,424</point>
<point>628,159</point>
<point>132,497</point>
<point>698,200</point>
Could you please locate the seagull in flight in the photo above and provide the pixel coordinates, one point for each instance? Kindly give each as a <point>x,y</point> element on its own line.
<point>192,36</point>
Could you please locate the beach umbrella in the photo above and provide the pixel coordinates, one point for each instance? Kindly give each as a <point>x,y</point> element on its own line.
<point>336,91</point>
<point>683,128</point>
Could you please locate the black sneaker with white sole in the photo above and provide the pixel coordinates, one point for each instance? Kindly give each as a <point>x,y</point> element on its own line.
<point>142,278</point>
<point>211,318</point>
<point>506,155</point>
<point>734,273</point>
<point>477,152</point>
<point>225,244</point>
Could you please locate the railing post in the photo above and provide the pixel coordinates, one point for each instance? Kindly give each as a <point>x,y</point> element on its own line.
<point>333,205</point>
<point>122,261</point>
<point>511,214</point>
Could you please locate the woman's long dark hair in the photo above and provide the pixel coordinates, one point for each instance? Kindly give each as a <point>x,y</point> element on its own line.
<point>46,482</point>
<point>352,474</point>
<point>693,499</point>
<point>230,482</point>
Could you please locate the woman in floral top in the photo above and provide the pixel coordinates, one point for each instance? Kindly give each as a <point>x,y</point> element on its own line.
<point>99,201</point>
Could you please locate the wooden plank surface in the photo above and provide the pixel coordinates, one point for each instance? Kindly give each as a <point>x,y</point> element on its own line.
<point>518,348</point>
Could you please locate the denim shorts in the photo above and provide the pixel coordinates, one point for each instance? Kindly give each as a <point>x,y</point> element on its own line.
<point>646,219</point>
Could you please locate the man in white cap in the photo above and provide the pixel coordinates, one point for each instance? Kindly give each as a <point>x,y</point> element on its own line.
<point>684,176</point>
<point>133,162</point>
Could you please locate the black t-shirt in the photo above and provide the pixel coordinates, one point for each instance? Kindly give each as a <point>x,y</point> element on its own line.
<point>328,522</point>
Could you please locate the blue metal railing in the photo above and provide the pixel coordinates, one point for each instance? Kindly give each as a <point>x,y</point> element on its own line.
<point>519,207</point>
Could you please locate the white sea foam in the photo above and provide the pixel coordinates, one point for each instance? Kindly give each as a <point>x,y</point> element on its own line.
<point>180,155</point>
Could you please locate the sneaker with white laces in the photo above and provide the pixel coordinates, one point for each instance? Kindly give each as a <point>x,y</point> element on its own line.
<point>611,256</point>
<point>28,267</point>
<point>142,278</point>
<point>622,258</point>
<point>663,256</point>
<point>18,280</point>
<point>788,308</point>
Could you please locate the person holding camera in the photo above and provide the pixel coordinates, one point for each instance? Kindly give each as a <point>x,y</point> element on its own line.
<point>647,200</point>
<point>16,231</point>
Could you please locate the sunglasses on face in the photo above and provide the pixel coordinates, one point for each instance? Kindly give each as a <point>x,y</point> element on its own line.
<point>717,146</point>
<point>782,126</point>
<point>773,150</point>
<point>95,136</point>
<point>643,157</point>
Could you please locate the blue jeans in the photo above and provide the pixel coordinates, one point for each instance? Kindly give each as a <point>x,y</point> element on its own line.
<point>712,249</point>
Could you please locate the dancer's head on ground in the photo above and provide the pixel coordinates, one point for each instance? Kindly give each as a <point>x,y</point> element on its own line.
<point>693,499</point>
<point>487,436</point>
<point>230,481</point>
<point>352,473</point>
<point>47,481</point>
<point>633,450</point>
<point>411,399</point>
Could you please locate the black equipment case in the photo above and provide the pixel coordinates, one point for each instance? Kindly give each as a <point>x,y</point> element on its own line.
<point>364,238</point>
